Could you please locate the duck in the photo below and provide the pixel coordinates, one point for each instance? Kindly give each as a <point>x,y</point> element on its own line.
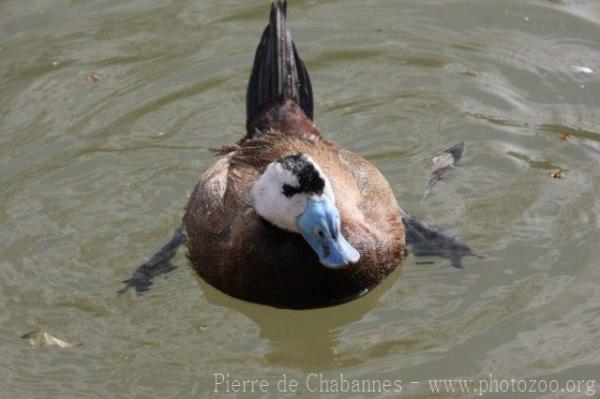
<point>285,217</point>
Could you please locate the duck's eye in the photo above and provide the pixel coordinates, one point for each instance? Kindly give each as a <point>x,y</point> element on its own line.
<point>320,233</point>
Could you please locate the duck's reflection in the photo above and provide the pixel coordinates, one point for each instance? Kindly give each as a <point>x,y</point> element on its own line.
<point>305,339</point>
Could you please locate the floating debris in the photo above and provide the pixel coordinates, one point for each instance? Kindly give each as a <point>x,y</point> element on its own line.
<point>558,174</point>
<point>565,136</point>
<point>583,69</point>
<point>39,338</point>
<point>92,77</point>
<point>449,157</point>
<point>442,163</point>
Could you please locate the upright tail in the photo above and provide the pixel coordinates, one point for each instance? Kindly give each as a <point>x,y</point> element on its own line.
<point>278,73</point>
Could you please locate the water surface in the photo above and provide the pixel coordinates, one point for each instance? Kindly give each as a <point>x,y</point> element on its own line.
<point>107,113</point>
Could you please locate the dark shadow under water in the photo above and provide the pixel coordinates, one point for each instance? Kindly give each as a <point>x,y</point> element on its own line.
<point>304,339</point>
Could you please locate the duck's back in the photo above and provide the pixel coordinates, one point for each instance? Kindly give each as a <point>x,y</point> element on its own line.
<point>235,250</point>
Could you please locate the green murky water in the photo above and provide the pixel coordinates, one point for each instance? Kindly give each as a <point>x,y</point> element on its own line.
<point>107,113</point>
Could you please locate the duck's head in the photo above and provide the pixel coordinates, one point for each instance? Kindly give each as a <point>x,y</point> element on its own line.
<point>295,195</point>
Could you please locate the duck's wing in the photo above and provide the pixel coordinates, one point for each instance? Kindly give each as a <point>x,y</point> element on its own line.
<point>278,75</point>
<point>206,222</point>
<point>207,218</point>
<point>367,204</point>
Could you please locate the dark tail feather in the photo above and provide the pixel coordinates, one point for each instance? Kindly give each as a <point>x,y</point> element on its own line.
<point>278,73</point>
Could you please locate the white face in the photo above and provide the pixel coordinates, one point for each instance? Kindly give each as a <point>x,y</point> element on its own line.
<point>280,195</point>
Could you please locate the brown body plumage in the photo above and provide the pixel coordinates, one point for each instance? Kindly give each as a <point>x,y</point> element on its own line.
<point>237,251</point>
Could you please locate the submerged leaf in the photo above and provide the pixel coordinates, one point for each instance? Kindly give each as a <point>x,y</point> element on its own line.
<point>39,338</point>
<point>582,69</point>
<point>448,158</point>
<point>442,163</point>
